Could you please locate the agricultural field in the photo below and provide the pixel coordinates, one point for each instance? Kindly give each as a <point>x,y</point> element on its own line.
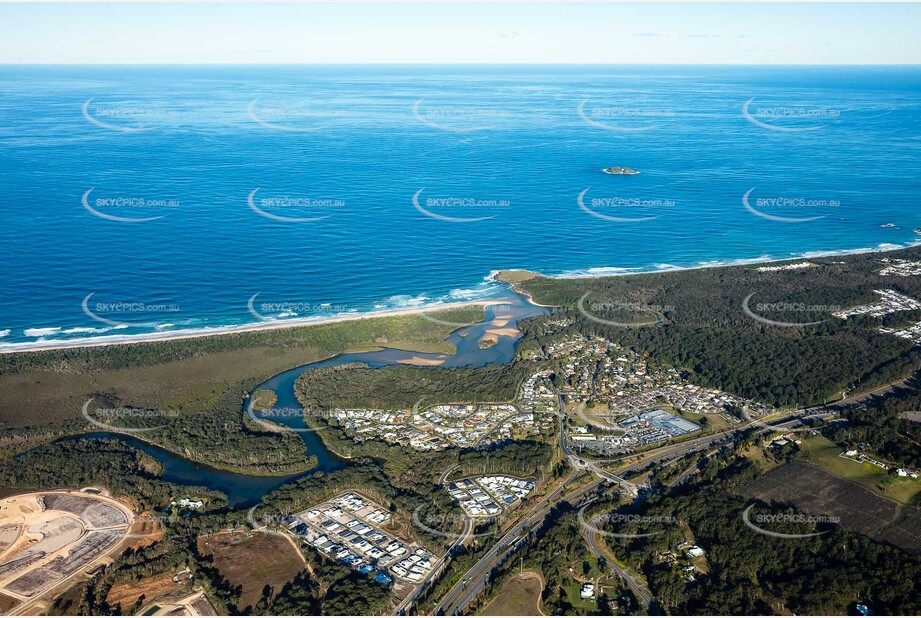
<point>814,491</point>
<point>817,492</point>
<point>253,560</point>
<point>824,453</point>
<point>520,596</point>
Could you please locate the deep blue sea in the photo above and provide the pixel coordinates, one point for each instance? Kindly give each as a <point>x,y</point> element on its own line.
<point>141,200</point>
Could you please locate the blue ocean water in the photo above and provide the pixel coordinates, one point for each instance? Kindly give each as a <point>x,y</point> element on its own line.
<point>141,200</point>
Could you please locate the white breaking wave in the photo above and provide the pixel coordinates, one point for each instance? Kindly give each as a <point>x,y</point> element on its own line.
<point>394,303</point>
<point>84,329</point>
<point>404,301</point>
<point>40,332</point>
<point>763,259</point>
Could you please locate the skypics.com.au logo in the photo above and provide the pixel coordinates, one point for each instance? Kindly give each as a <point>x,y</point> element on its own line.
<point>97,310</point>
<point>763,522</point>
<point>623,119</point>
<point>602,523</point>
<point>288,309</point>
<point>789,119</point>
<point>457,118</point>
<point>786,308</point>
<point>270,206</point>
<point>628,209</point>
<point>434,207</point>
<point>123,419</point>
<point>655,312</point>
<point>104,207</point>
<point>760,206</point>
<point>126,118</point>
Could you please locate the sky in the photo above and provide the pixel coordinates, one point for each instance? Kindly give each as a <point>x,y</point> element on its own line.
<point>318,33</point>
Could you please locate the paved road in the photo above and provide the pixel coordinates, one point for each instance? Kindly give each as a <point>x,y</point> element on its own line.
<point>642,593</point>
<point>446,473</point>
<point>409,600</point>
<point>477,576</point>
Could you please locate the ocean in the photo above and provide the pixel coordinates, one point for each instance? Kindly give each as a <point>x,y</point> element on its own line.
<point>168,200</point>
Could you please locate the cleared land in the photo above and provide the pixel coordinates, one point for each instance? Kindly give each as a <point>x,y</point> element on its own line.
<point>826,454</point>
<point>203,606</point>
<point>126,594</point>
<point>60,534</point>
<point>145,531</point>
<point>817,492</point>
<point>6,603</point>
<point>253,562</point>
<point>520,596</point>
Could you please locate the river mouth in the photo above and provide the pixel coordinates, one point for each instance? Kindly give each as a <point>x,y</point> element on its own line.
<point>244,490</point>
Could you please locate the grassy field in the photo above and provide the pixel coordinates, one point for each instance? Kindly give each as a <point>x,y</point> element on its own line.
<point>825,454</point>
<point>573,590</point>
<point>520,596</point>
<point>191,374</point>
<point>253,562</point>
<point>197,384</point>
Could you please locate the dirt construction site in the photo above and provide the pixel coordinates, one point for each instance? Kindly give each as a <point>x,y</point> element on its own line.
<point>48,538</point>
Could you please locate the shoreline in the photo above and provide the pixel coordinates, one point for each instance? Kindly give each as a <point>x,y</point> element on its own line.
<point>31,347</point>
<point>599,272</point>
<point>758,261</point>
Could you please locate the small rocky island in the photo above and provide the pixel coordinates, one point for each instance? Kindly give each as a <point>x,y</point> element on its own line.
<point>617,170</point>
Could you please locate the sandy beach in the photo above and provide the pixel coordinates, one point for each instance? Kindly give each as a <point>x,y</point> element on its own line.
<point>245,328</point>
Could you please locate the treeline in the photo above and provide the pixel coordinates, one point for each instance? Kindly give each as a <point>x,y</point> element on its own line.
<point>552,550</point>
<point>92,462</point>
<point>417,492</point>
<point>881,424</point>
<point>222,436</point>
<point>704,330</point>
<point>225,437</point>
<point>194,387</point>
<point>750,573</point>
<point>323,339</point>
<point>334,590</point>
<point>407,467</point>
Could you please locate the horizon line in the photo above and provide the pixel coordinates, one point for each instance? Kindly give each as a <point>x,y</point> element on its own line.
<point>461,64</point>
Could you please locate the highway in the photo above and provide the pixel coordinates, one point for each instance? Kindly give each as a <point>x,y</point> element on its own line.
<point>477,576</point>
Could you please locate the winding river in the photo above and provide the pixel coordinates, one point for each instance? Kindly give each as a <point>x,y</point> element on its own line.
<point>245,490</point>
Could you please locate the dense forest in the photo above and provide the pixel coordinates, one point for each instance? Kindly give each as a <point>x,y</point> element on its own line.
<point>403,386</point>
<point>101,463</point>
<point>751,573</point>
<point>883,424</point>
<point>703,330</point>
